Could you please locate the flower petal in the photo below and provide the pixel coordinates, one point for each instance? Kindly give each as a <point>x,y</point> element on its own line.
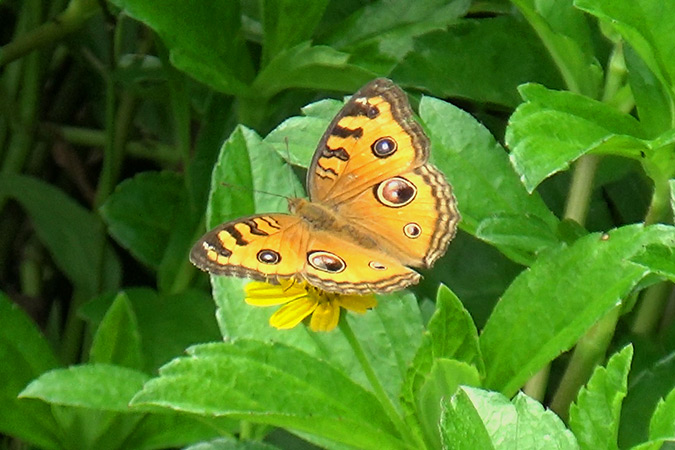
<point>357,303</point>
<point>293,313</point>
<point>325,316</point>
<point>266,294</point>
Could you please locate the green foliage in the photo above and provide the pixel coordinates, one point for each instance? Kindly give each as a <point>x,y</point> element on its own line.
<point>474,418</point>
<point>149,122</point>
<point>594,418</point>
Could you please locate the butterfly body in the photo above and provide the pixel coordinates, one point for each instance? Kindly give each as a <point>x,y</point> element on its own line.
<point>322,218</point>
<point>375,207</point>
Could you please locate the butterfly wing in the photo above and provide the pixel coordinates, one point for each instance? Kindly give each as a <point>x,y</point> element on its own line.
<point>267,247</point>
<point>353,153</point>
<point>336,264</point>
<point>371,167</point>
<point>262,247</point>
<point>413,214</point>
<point>376,207</point>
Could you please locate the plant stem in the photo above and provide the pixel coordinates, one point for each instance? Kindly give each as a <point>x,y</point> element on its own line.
<point>572,77</point>
<point>578,200</point>
<point>536,386</point>
<point>379,391</point>
<point>73,329</point>
<point>589,352</point>
<point>117,126</point>
<point>592,346</point>
<point>659,207</point>
<point>245,430</point>
<point>89,137</point>
<point>650,309</point>
<point>56,29</point>
<point>28,97</point>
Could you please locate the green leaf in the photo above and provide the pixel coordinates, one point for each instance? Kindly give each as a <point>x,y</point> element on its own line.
<point>214,73</point>
<point>448,356</point>
<point>659,259</point>
<point>97,386</point>
<point>594,416</point>
<point>442,381</point>
<point>528,233</point>
<point>175,269</point>
<point>167,323</point>
<point>659,165</point>
<point>22,345</point>
<point>567,36</point>
<point>260,171</point>
<point>299,136</point>
<point>378,21</point>
<point>274,384</point>
<point>313,67</point>
<point>390,333</point>
<point>536,425</point>
<point>388,30</point>
<point>480,59</point>
<point>231,444</point>
<point>474,418</point>
<point>483,181</point>
<point>159,196</point>
<point>175,429</point>
<point>218,122</point>
<point>25,354</point>
<point>87,428</point>
<point>662,425</point>
<point>461,426</point>
<point>550,305</point>
<point>452,333</point>
<point>652,98</point>
<point>554,128</point>
<point>117,339</point>
<point>648,385</point>
<point>641,23</point>
<point>73,235</point>
<point>205,40</point>
<point>288,22</point>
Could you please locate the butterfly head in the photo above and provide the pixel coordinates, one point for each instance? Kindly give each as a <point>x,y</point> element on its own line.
<point>296,204</point>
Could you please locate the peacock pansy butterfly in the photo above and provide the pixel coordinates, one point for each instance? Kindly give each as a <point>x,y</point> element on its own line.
<point>376,208</point>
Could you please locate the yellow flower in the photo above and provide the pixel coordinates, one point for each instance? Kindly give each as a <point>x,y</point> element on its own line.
<point>301,300</point>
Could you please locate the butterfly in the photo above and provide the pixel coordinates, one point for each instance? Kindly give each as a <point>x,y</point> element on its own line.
<point>376,208</point>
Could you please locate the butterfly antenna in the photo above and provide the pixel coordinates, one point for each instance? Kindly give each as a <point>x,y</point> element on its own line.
<point>242,188</point>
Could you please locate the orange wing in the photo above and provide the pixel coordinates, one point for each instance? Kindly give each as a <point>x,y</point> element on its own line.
<point>377,206</point>
<point>268,247</point>
<point>263,247</point>
<point>414,215</point>
<point>372,138</point>
<point>371,167</point>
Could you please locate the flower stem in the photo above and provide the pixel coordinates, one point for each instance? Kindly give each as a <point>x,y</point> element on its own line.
<point>378,389</point>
